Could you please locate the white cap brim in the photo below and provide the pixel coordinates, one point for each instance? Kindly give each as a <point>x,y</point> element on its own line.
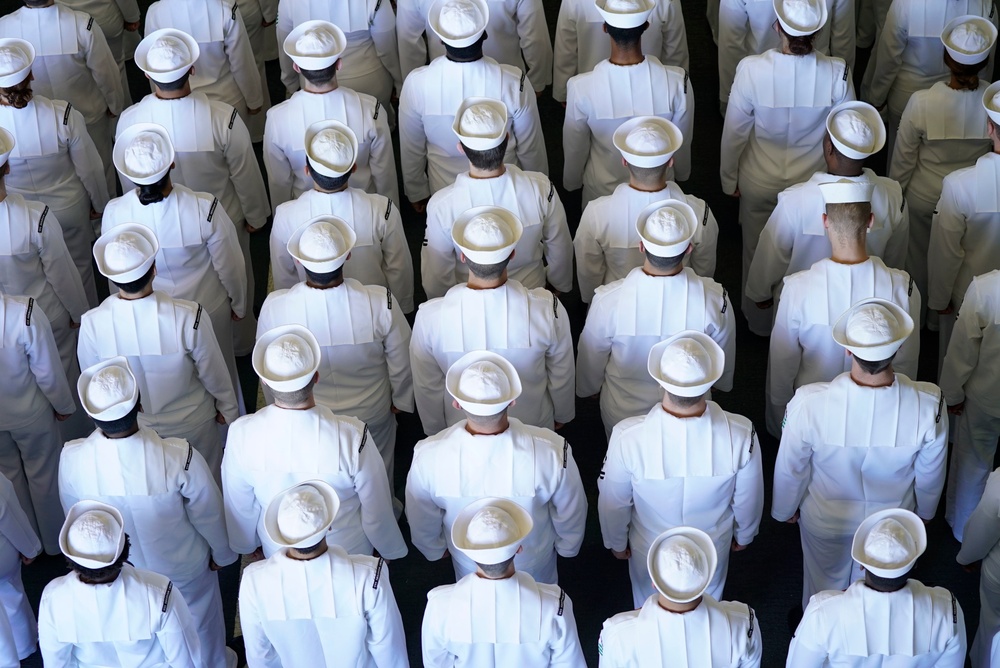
<point>489,256</point>
<point>490,555</point>
<point>648,159</point>
<point>800,30</point>
<point>433,20</point>
<point>913,525</point>
<point>668,250</point>
<point>965,57</point>
<point>480,143</point>
<point>307,62</point>
<point>879,352</point>
<point>271,515</point>
<point>475,406</point>
<point>321,167</point>
<point>873,120</point>
<point>260,351</point>
<point>325,266</point>
<point>119,410</point>
<point>7,144</point>
<point>626,19</point>
<point>716,355</point>
<point>122,143</point>
<point>72,515</point>
<point>16,77</point>
<point>992,110</point>
<point>847,191</point>
<point>126,276</point>
<point>166,76</point>
<point>704,543</point>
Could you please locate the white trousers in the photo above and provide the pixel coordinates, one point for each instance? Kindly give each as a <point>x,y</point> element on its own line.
<point>826,562</point>
<point>642,584</point>
<point>22,619</point>
<point>976,433</point>
<point>756,204</point>
<point>204,599</point>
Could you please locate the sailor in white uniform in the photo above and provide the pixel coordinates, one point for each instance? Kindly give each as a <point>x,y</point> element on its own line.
<point>294,440</point>
<point>34,398</point>
<point>775,124</point>
<point>528,327</point>
<point>498,615</point>
<point>981,543</point>
<point>970,381</point>
<point>794,238</point>
<point>626,85</point>
<point>606,241</point>
<point>654,301</point>
<point>885,619</point>
<point>311,602</point>
<point>544,253</point>
<point>259,18</point>
<point>802,350</point>
<point>19,545</point>
<point>943,129</point>
<point>492,454</point>
<point>685,462</point>
<point>170,345</point>
<point>381,254</point>
<point>363,337</point>
<point>106,612</point>
<point>681,622</point>
<point>315,48</point>
<point>869,439</point>
<point>171,506</point>
<point>212,149</point>
<point>115,18</point>
<point>580,41</point>
<point>432,96</point>
<point>55,161</point>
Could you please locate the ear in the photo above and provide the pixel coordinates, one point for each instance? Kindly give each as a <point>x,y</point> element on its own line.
<point>315,377</point>
<point>624,163</point>
<point>339,64</point>
<point>347,258</point>
<point>520,548</point>
<point>140,408</point>
<point>454,404</point>
<point>513,253</point>
<point>670,163</point>
<point>605,28</point>
<point>191,71</point>
<point>146,75</point>
<point>689,250</point>
<point>826,222</point>
<point>642,247</point>
<point>871,221</point>
<point>354,167</point>
<point>296,68</point>
<point>461,149</point>
<point>511,404</point>
<point>461,257</point>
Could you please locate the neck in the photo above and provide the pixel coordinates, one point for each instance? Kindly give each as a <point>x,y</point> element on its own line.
<point>852,168</point>
<point>174,94</point>
<point>696,410</point>
<point>479,430</point>
<point>304,406</point>
<point>132,296</point>
<point>467,59</point>
<point>107,579</point>
<point>895,586</point>
<point>134,429</point>
<point>341,189</point>
<point>310,87</point>
<point>681,608</point>
<point>630,55</point>
<point>333,284</point>
<point>507,574</point>
<point>653,187</point>
<point>39,5</point>
<point>852,252</point>
<point>293,553</point>
<point>476,283</point>
<point>477,173</point>
<point>650,270</point>
<point>883,378</point>
<point>954,84</point>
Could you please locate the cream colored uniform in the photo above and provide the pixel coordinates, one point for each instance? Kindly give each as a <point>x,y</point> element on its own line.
<point>17,537</point>
<point>544,253</point>
<point>982,543</point>
<point>630,316</point>
<point>496,623</point>
<point>530,328</point>
<point>848,451</point>
<point>802,349</point>
<point>532,466</point>
<point>275,448</point>
<point>662,472</point>
<point>111,16</point>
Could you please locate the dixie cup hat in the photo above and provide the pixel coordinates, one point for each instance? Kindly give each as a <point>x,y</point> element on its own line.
<point>143,153</point>
<point>625,13</point>
<point>799,18</point>
<point>93,535</point>
<point>322,244</point>
<point>108,390</point>
<point>167,54</point>
<point>873,329</point>
<point>490,530</point>
<point>681,563</point>
<point>302,514</point>
<point>7,145</point>
<point>856,129</point>
<point>991,101</point>
<point>331,148</point>
<point>286,357</point>
<point>16,57</point>
<point>846,191</point>
<point>458,23</point>
<point>487,234</point>
<point>483,383</point>
<point>686,364</point>
<point>667,227</point>
<point>889,541</point>
<point>125,253</point>
<point>969,39</point>
<point>647,141</point>
<point>481,123</point>
<point>315,45</point>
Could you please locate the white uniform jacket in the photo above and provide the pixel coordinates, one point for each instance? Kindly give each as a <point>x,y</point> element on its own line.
<point>607,243</point>
<point>802,349</point>
<point>969,367</point>
<point>917,626</point>
<point>530,328</point>
<point>716,634</point>
<point>432,94</point>
<point>212,152</point>
<point>498,623</point>
<point>529,465</point>
<point>773,134</point>
<point>630,316</point>
<point>172,350</point>
<point>226,69</point>
<point>965,232</point>
<point>275,448</point>
<point>111,16</point>
<point>597,102</point>
<point>335,610</point>
<point>285,149</point>
<point>72,59</point>
<point>380,256</point>
<point>794,238</point>
<point>848,451</point>
<point>165,492</point>
<point>137,621</point>
<point>365,342</point>
<point>544,254</point>
<point>34,380</point>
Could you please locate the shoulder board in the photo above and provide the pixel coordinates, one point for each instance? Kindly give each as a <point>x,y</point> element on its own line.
<point>236,8</point>
<point>847,71</point>
<point>686,77</point>
<point>41,219</point>
<point>940,409</point>
<point>90,23</point>
<point>69,108</point>
<point>523,75</point>
<point>364,439</point>
<point>388,209</point>
<point>187,464</point>
<point>388,299</point>
<point>378,106</point>
<point>166,596</point>
<point>27,313</point>
<point>232,119</point>
<point>954,609</point>
<point>750,631</point>
<point>753,436</point>
<point>725,300</point>
<point>197,318</point>
<point>565,453</point>
<point>909,291</point>
<point>562,603</point>
<point>378,572</point>
<point>704,218</point>
<point>215,203</point>
<point>552,191</point>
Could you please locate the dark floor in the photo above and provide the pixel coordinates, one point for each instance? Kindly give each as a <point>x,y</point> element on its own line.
<point>768,574</point>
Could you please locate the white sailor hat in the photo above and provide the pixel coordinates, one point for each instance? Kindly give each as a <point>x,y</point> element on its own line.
<point>7,145</point>
<point>286,357</point>
<point>481,123</point>
<point>801,17</point>
<point>315,45</point>
<point>487,234</point>
<point>681,563</point>
<point>686,364</point>
<point>167,54</point>
<point>667,227</point>
<point>625,13</point>
<point>991,101</point>
<point>482,382</point>
<point>125,253</point>
<point>322,244</point>
<point>331,148</point>
<point>458,23</point>
<point>108,390</point>
<point>889,541</point>
<point>302,514</point>
<point>16,57</point>
<point>648,141</point>
<point>856,129</point>
<point>93,534</point>
<point>873,329</point>
<point>143,153</point>
<point>969,39</point>
<point>490,530</point>
<point>846,191</point>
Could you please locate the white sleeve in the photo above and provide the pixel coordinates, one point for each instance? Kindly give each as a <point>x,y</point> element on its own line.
<point>383,31</point>
<point>773,254</point>
<point>748,495</point>
<point>240,503</point>
<point>674,46</point>
<point>280,176</point>
<point>533,34</point>
<point>962,357</point>
<point>565,641</point>
<point>593,350</point>
<point>784,358</point>
<point>793,466</point>
<point>591,264</point>
<point>614,496</point>
<point>178,633</point>
<point>43,360</point>
<point>259,650</point>
<point>204,350</point>
<point>945,251</point>
<point>15,526</point>
<point>410,26</point>
<point>428,378</point>
<point>568,507</point>
<point>703,255</point>
<point>734,24</point>
<point>438,255</point>
<point>386,638</point>
<point>284,273</point>
<point>425,517</point>
<point>725,336</point>
<point>289,77</point>
<point>736,130</point>
<point>982,529</point>
<point>559,366</point>
<point>558,246</point>
<point>103,68</point>
<point>931,463</point>
<point>564,60</point>
<point>526,126</point>
<point>888,55</point>
<point>843,31</point>
<point>244,172</point>
<point>909,353</point>
<point>396,345</point>
<point>907,146</point>
<point>382,157</point>
<point>241,60</point>
<point>87,161</point>
<point>372,487</point>
<point>397,264</point>
<point>684,119</point>
<point>60,272</point>
<point>227,258</point>
<point>412,145</point>
<point>204,508</point>
<point>576,138</point>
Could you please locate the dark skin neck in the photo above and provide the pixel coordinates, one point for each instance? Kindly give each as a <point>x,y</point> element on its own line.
<point>134,429</point>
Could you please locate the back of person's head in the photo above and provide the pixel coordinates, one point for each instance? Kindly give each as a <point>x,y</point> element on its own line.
<point>329,183</point>
<point>326,278</point>
<point>489,160</point>
<point>966,76</point>
<point>664,263</point>
<point>487,272</point>
<point>626,38</point>
<point>17,96</point>
<point>152,193</point>
<point>849,221</point>
<point>648,174</point>
<point>873,368</point>
<point>295,397</point>
<point>799,45</point>
<point>472,52</point>
<point>320,77</point>
<point>122,425</point>
<point>171,86</point>
<point>139,284</point>
<point>93,576</point>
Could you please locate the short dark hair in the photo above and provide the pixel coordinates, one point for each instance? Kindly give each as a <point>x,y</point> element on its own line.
<point>664,263</point>
<point>646,174</point>
<point>883,584</point>
<point>684,402</point>
<point>487,272</point>
<point>490,159</point>
<point>312,550</point>
<point>93,576</point>
<point>151,193</point>
<point>121,425</point>
<point>139,284</point>
<point>489,421</point>
<point>872,368</point>
<point>326,277</point>
<point>295,397</point>
<point>798,45</point>
<point>471,52</point>
<point>849,220</point>
<point>320,77</point>
<point>327,182</point>
<point>170,86</point>
<point>496,570</point>
<point>626,37</point>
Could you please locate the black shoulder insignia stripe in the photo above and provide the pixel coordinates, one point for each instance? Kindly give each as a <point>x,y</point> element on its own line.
<point>364,439</point>
<point>750,631</point>
<point>166,596</point>
<point>197,318</point>
<point>377,6</point>
<point>704,219</point>
<point>954,609</point>
<point>236,8</point>
<point>424,242</point>
<point>562,602</point>
<point>552,191</point>
<point>215,203</point>
<point>555,307</point>
<point>90,23</point>
<point>523,75</point>
<point>909,291</point>
<point>187,464</point>
<point>753,435</point>
<point>27,314</point>
<point>41,219</point>
<point>847,71</point>
<point>69,108</point>
<point>686,77</point>
<point>232,119</point>
<point>940,408</point>
<point>378,573</point>
<point>725,300</point>
<point>378,105</point>
<point>388,299</point>
<point>388,208</point>
<point>565,453</point>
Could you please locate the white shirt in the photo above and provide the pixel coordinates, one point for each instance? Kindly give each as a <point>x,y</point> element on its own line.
<point>428,148</point>
<point>544,253</point>
<point>276,448</point>
<point>975,342</point>
<point>380,255</point>
<point>335,610</point>
<point>530,328</point>
<point>499,623</point>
